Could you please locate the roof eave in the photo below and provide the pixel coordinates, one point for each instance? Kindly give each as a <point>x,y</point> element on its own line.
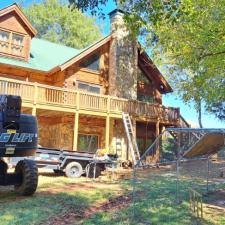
<point>16,8</point>
<point>167,87</point>
<point>84,53</point>
<point>25,68</point>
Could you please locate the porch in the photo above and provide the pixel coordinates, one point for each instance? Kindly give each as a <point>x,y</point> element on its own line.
<point>42,100</point>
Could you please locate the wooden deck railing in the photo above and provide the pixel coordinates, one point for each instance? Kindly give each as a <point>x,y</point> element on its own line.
<point>62,97</point>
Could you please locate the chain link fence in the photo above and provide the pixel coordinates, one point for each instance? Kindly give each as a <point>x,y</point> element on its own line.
<point>178,189</point>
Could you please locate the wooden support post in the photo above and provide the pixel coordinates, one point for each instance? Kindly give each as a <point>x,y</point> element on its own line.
<point>34,109</point>
<point>157,128</point>
<point>76,122</point>
<point>107,126</point>
<point>107,129</point>
<point>157,153</point>
<point>75,134</point>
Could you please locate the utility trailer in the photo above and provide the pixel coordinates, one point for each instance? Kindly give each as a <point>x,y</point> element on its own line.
<point>74,164</point>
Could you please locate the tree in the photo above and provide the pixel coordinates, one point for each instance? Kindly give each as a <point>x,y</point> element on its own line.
<point>57,22</point>
<point>188,36</point>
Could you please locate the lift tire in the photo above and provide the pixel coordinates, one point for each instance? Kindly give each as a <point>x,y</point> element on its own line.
<point>91,168</point>
<point>27,169</point>
<point>73,170</point>
<point>3,167</point>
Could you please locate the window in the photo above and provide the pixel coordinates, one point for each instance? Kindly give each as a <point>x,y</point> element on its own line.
<point>89,88</point>
<point>11,43</point>
<point>17,44</point>
<point>4,41</point>
<point>145,98</point>
<point>91,63</point>
<point>142,77</point>
<point>88,143</point>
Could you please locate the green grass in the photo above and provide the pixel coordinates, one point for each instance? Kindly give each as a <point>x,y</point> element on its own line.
<point>156,202</point>
<point>55,196</point>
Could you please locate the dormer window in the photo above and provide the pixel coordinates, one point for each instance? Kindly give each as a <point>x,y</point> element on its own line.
<point>11,43</point>
<point>4,41</point>
<point>17,44</point>
<point>16,33</point>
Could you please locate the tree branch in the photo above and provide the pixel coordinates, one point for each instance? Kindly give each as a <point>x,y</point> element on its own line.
<point>211,54</point>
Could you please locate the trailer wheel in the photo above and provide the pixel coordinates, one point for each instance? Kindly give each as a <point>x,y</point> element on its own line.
<point>73,170</point>
<point>27,169</point>
<point>93,171</point>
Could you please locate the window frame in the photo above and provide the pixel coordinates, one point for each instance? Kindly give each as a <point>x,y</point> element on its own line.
<point>90,85</point>
<point>89,134</point>
<point>10,43</point>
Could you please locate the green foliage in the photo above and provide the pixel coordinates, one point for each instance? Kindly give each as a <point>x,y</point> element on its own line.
<point>57,22</point>
<point>186,35</point>
<point>168,149</point>
<point>93,5</point>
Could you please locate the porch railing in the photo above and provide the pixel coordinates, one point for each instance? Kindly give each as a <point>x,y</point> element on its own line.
<point>62,97</point>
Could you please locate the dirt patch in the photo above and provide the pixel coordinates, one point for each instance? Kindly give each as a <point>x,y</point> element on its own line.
<point>74,216</point>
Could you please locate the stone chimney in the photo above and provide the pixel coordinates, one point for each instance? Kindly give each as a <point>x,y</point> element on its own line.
<point>123,59</point>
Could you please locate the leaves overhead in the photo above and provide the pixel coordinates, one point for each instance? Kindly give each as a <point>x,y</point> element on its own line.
<point>95,6</point>
<point>188,38</point>
<point>57,22</point>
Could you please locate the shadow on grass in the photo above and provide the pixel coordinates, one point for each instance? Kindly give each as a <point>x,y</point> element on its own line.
<point>39,208</point>
<point>156,202</point>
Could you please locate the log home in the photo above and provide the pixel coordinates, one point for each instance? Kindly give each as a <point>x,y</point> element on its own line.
<point>78,96</point>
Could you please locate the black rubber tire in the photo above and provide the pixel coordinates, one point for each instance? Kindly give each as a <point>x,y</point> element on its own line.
<point>73,170</point>
<point>3,167</point>
<point>29,172</point>
<point>91,168</point>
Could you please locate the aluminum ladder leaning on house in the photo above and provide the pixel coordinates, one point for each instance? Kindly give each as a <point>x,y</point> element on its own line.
<point>131,138</point>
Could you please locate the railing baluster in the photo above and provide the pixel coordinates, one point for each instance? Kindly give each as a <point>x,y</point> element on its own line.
<point>61,96</point>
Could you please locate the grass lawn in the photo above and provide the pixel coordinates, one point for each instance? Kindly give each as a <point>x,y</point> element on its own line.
<point>60,200</point>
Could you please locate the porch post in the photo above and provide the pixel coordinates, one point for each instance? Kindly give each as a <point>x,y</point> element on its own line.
<point>157,128</point>
<point>75,134</point>
<point>107,128</point>
<point>157,154</point>
<point>34,109</point>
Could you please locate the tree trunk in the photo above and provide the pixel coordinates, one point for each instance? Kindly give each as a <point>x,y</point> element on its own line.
<point>200,114</point>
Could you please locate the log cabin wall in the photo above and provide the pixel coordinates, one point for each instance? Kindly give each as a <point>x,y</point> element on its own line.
<point>76,73</point>
<point>25,75</point>
<point>118,139</point>
<point>146,87</point>
<point>57,131</point>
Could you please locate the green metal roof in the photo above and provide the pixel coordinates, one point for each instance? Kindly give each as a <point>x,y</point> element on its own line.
<point>45,55</point>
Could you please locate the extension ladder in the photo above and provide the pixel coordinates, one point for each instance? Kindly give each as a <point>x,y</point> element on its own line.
<point>131,138</point>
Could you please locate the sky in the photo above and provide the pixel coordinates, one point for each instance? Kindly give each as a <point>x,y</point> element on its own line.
<point>187,111</point>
